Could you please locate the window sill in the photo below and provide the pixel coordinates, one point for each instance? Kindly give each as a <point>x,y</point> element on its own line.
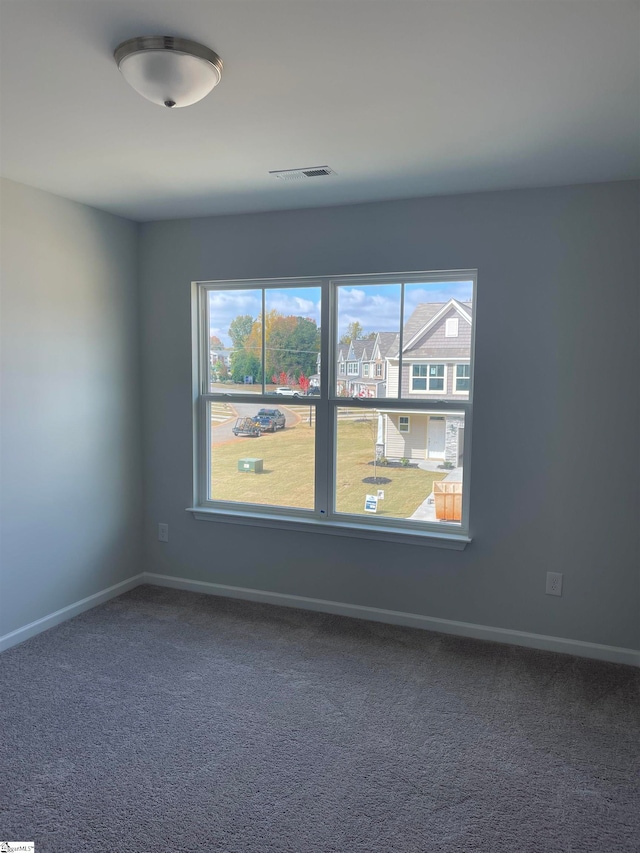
<point>433,539</point>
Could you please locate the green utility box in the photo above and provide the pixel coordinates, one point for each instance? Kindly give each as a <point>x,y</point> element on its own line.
<point>250,464</point>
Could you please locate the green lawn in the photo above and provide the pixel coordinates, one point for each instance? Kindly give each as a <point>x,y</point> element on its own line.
<point>287,477</point>
<point>402,496</point>
<point>287,480</point>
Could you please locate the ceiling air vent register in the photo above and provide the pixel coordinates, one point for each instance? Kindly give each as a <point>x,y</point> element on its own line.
<point>298,174</point>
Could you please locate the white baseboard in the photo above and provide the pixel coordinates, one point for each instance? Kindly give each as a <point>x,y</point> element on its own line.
<point>579,648</point>
<point>33,628</point>
<point>613,654</point>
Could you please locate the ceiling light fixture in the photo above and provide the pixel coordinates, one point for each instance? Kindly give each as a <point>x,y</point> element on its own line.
<point>172,72</point>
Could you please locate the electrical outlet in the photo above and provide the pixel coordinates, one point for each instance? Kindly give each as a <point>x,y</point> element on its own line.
<point>163,532</point>
<point>554,583</point>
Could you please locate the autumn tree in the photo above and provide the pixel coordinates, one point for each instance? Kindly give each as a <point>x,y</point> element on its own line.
<point>372,428</point>
<point>240,329</point>
<point>244,362</point>
<point>219,371</point>
<point>304,383</point>
<point>283,378</point>
<point>355,332</point>
<point>291,344</point>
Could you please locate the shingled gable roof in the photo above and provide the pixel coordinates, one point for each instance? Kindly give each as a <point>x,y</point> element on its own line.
<point>428,313</point>
<point>357,350</point>
<point>360,348</point>
<point>386,343</point>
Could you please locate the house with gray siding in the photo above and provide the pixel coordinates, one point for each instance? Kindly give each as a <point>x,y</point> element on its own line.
<point>361,366</point>
<point>353,364</point>
<point>436,357</point>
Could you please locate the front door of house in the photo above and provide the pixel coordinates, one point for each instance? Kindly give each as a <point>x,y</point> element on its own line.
<point>435,438</point>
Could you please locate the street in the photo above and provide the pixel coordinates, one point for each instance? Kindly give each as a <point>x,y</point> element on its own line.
<point>224,432</point>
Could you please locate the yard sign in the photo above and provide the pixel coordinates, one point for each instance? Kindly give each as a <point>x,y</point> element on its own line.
<point>371,503</point>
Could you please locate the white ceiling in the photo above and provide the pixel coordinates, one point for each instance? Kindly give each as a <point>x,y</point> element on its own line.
<point>401,98</point>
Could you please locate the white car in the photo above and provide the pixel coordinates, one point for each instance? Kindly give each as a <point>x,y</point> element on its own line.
<point>286,391</point>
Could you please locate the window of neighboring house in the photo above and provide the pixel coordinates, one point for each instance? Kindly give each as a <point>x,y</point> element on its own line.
<point>419,377</point>
<point>436,377</point>
<point>463,378</point>
<point>451,328</point>
<point>319,453</point>
<point>428,377</point>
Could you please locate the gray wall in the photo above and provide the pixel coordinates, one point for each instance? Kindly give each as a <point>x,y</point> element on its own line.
<point>555,476</point>
<point>70,413</point>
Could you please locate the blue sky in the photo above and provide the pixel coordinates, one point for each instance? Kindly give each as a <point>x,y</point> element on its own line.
<point>375,307</point>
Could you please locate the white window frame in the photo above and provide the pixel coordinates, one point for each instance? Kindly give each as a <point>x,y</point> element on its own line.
<point>379,367</point>
<point>342,367</point>
<point>406,418</point>
<point>425,363</point>
<point>365,370</point>
<point>458,364</point>
<point>444,378</point>
<point>352,368</point>
<point>413,390</point>
<point>324,517</point>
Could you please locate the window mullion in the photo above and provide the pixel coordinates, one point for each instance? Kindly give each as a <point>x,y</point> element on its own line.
<point>206,450</point>
<point>264,343</point>
<point>200,386</point>
<point>401,341</point>
<point>324,430</point>
<point>204,349</point>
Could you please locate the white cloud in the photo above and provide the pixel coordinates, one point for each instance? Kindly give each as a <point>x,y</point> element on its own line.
<point>225,305</point>
<point>289,303</point>
<point>375,307</point>
<point>415,294</point>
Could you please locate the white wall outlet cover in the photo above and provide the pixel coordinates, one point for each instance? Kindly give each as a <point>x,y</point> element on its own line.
<point>554,583</point>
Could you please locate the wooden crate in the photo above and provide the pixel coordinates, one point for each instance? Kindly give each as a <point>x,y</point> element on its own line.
<point>448,496</point>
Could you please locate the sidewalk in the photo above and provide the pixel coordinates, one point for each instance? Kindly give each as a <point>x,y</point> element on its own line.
<point>427,509</point>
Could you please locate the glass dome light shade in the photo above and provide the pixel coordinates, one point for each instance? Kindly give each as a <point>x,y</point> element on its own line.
<point>169,71</point>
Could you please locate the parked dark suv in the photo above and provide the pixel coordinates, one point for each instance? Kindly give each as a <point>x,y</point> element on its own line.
<point>270,420</point>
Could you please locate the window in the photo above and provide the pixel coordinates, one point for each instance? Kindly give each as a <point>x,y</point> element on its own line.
<point>451,328</point>
<point>269,452</point>
<point>419,382</point>
<point>428,377</point>
<point>436,377</point>
<point>463,378</point>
